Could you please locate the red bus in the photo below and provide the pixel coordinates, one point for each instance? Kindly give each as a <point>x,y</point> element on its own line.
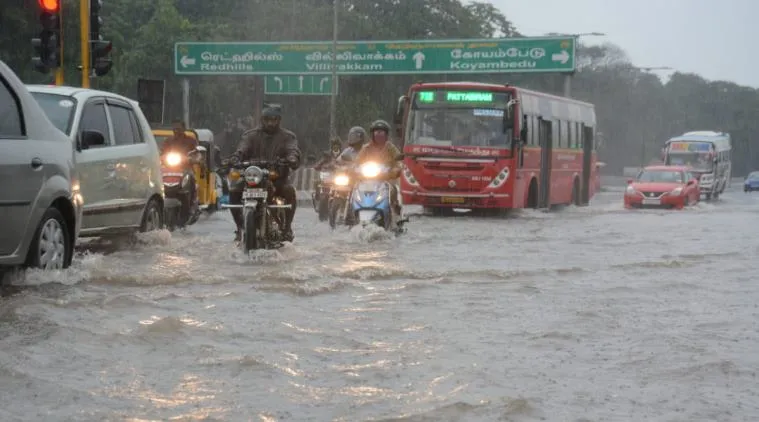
<point>478,146</point>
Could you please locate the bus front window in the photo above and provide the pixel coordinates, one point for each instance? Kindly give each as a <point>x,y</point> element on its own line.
<point>699,161</point>
<point>458,118</point>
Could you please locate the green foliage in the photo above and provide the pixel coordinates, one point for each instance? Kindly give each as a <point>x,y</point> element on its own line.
<point>636,111</point>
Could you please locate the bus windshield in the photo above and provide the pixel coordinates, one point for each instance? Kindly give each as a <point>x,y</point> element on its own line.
<point>458,118</point>
<point>696,155</point>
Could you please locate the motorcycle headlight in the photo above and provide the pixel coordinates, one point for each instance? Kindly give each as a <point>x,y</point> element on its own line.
<point>677,191</point>
<point>254,175</point>
<point>173,159</point>
<point>370,170</point>
<point>342,180</point>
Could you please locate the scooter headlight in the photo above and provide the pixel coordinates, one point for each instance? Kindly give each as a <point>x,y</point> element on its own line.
<point>254,175</point>
<point>173,159</point>
<point>370,170</point>
<point>342,180</point>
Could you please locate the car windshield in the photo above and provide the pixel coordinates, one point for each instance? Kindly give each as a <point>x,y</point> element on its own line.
<point>458,118</point>
<point>58,108</point>
<point>754,175</point>
<point>661,176</point>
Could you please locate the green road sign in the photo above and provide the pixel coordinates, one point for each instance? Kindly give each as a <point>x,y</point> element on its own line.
<point>298,84</point>
<point>496,55</point>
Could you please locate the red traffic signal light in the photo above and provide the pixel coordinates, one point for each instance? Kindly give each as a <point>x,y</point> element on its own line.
<point>52,6</point>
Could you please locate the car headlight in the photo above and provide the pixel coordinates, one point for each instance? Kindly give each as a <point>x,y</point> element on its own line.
<point>630,190</point>
<point>254,175</point>
<point>677,191</point>
<point>342,180</point>
<point>173,159</point>
<point>370,170</point>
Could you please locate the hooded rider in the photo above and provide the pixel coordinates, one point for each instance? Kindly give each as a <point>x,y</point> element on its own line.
<point>270,142</point>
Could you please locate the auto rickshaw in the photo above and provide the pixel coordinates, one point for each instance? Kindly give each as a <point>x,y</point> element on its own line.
<point>209,188</point>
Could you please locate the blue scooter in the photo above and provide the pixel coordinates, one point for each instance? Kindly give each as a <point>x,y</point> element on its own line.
<point>370,199</point>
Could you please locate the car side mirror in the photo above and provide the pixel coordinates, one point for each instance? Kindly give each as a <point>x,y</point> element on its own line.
<point>92,138</point>
<point>630,181</point>
<point>691,182</point>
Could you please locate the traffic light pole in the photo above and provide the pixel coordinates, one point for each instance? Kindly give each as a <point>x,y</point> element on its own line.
<point>84,32</point>
<point>59,71</point>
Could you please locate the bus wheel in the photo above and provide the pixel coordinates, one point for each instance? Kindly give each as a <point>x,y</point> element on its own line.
<point>532,195</point>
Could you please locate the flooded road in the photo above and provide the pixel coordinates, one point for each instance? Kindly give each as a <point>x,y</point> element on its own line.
<point>587,314</point>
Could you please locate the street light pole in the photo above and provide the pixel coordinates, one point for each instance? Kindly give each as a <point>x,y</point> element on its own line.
<point>568,76</point>
<point>333,97</point>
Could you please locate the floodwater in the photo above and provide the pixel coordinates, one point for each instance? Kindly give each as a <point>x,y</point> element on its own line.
<point>585,314</point>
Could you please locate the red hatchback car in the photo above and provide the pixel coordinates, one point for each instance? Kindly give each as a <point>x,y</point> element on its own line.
<point>662,187</point>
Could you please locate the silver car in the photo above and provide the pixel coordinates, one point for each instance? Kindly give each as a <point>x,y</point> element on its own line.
<point>117,158</point>
<point>40,204</point>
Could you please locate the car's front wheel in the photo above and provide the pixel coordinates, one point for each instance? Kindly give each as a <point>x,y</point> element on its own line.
<point>153,218</point>
<point>51,247</point>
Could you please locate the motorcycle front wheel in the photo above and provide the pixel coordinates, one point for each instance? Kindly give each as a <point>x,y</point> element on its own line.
<point>250,232</point>
<point>335,208</point>
<point>323,207</point>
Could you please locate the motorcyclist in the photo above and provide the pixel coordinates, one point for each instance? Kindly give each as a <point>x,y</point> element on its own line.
<point>329,157</point>
<point>183,144</point>
<point>356,138</point>
<point>381,150</point>
<point>270,142</point>
<point>180,142</point>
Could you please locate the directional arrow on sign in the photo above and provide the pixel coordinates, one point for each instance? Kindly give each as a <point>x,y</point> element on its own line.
<point>278,80</point>
<point>562,57</point>
<point>418,59</point>
<point>322,82</point>
<point>300,80</point>
<point>186,61</point>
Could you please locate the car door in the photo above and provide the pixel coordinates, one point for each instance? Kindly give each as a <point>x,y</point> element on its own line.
<point>132,169</point>
<point>21,171</point>
<point>96,165</point>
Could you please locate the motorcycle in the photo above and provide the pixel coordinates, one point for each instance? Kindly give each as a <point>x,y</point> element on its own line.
<point>180,206</point>
<point>370,199</point>
<point>321,192</point>
<point>263,217</point>
<point>339,198</point>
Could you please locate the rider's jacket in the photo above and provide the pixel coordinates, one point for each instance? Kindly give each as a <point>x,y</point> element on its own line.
<point>349,154</point>
<point>386,154</point>
<point>279,145</point>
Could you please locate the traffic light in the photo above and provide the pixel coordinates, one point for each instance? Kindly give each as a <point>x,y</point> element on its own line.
<point>47,47</point>
<point>99,48</point>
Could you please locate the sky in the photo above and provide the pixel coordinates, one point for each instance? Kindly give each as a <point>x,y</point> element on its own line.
<point>707,37</point>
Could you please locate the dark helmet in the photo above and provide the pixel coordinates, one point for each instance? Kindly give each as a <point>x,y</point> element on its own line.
<point>380,125</point>
<point>356,136</point>
<point>272,111</point>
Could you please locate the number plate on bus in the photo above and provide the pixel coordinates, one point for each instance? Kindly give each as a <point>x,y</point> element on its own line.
<point>254,194</point>
<point>656,201</point>
<point>452,200</point>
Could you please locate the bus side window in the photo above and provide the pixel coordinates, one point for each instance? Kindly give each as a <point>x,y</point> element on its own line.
<point>533,132</point>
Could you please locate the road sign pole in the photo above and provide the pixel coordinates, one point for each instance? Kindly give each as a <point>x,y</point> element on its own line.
<point>333,97</point>
<point>568,85</point>
<point>84,35</point>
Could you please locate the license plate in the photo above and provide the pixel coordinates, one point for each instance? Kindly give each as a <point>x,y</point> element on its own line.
<point>452,200</point>
<point>651,201</point>
<point>254,194</point>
